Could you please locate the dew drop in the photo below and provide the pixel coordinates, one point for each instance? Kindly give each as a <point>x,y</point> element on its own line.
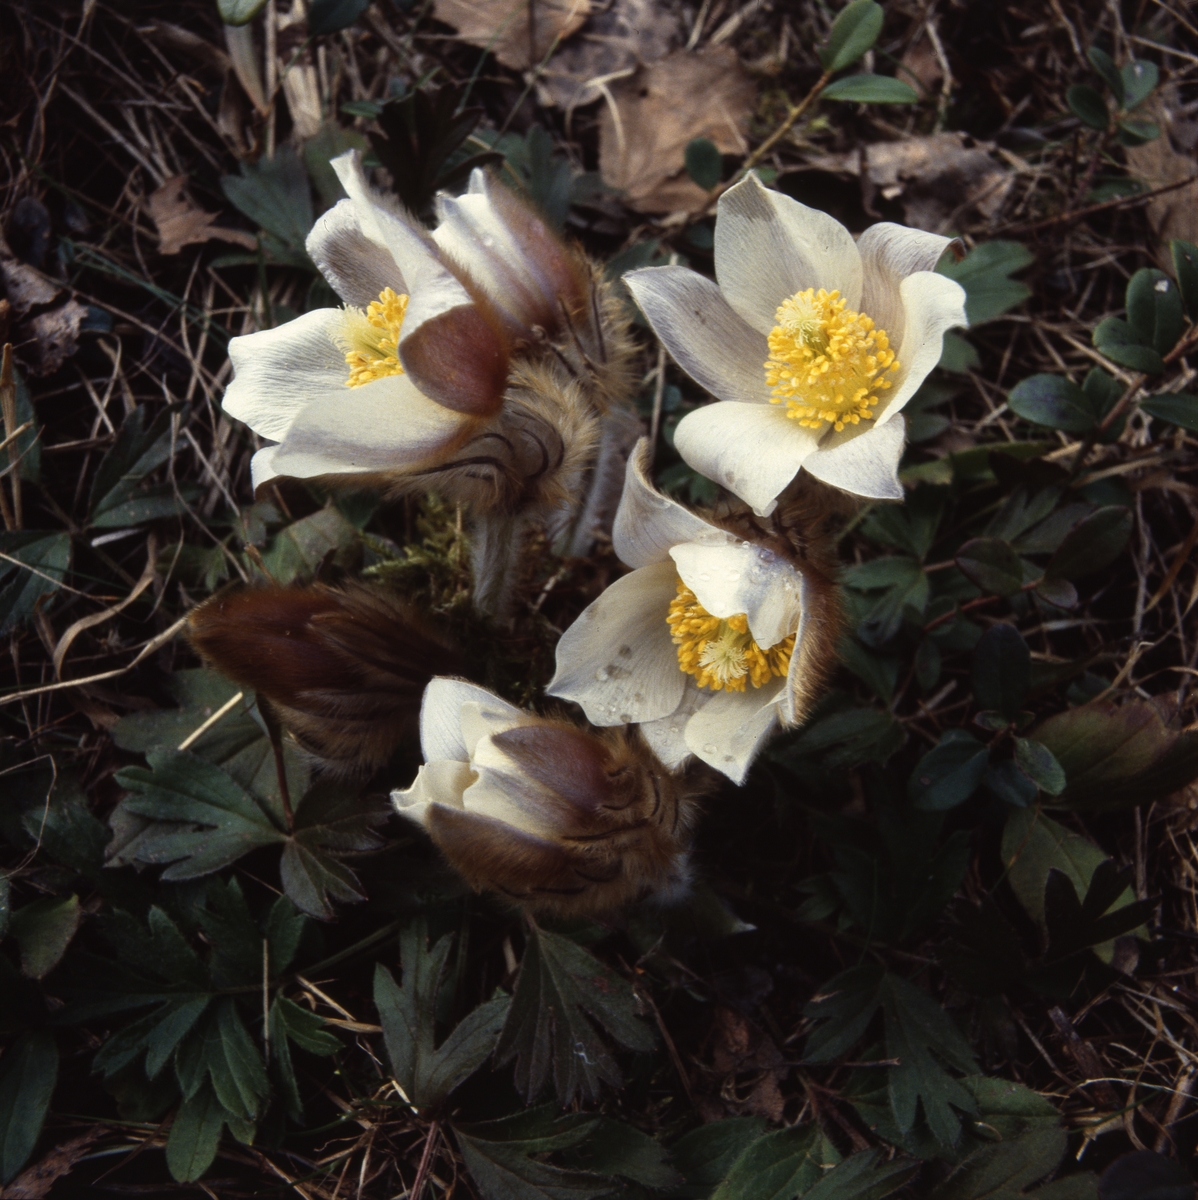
<point>709,748</point>
<point>675,729</point>
<point>626,718</point>
<point>733,576</point>
<point>603,675</point>
<point>704,577</point>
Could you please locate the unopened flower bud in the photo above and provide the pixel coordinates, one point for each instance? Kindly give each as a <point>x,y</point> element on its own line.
<point>343,668</point>
<point>554,817</point>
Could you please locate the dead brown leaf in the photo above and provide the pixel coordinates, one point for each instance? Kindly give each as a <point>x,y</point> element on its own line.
<point>508,28</point>
<point>24,287</point>
<point>1170,158</point>
<point>46,341</point>
<point>652,115</point>
<point>35,1182</point>
<point>181,223</point>
<point>616,40</point>
<point>749,1064</point>
<point>942,181</point>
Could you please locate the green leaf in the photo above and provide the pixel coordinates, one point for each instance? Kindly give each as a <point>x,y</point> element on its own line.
<point>1010,784</point>
<point>1178,408</point>
<point>1092,544</point>
<point>847,739</point>
<point>1139,80</point>
<point>705,1155</point>
<point>992,564</point>
<point>1036,761</point>
<point>778,1166</point>
<point>239,12</point>
<point>871,89</point>
<point>1054,401</point>
<point>329,142</point>
<point>1057,591</point>
<point>498,1155</point>
<point>854,32</point>
<point>878,672</point>
<point>1086,104</point>
<point>179,787</point>
<point>429,1074</point>
<point>616,1149</point>
<point>1137,133</point>
<point>862,1177</point>
<point>957,354</point>
<point>296,551</point>
<point>274,193</point>
<point>1117,755</point>
<point>195,1136</point>
<point>142,445</point>
<point>703,162</point>
<point>1116,339</point>
<point>985,274</point>
<point>1185,264</point>
<point>1004,1170</point>
<point>44,930</point>
<point>561,989</point>
<point>1154,309</point>
<point>1002,671</point>
<point>329,16</point>
<point>949,773</point>
<point>47,557</point>
<point>289,1023</point>
<point>28,1072</point>
<point>1102,62</point>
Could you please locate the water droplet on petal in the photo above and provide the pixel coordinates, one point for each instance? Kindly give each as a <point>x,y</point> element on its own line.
<point>626,718</point>
<point>710,748</point>
<point>733,576</point>
<point>675,729</point>
<point>704,577</point>
<point>602,675</point>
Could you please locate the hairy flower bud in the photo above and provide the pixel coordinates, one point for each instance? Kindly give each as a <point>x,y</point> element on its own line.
<point>343,668</point>
<point>554,817</point>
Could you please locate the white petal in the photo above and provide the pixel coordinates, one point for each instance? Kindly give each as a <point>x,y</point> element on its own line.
<point>703,334</point>
<point>381,426</point>
<point>277,372</point>
<point>481,720</point>
<point>864,463</point>
<point>262,467</point>
<point>786,701</point>
<point>769,246</point>
<point>647,523</point>
<point>742,578</point>
<point>731,728</point>
<point>441,716</point>
<point>356,267</point>
<point>753,450</point>
<point>889,253</point>
<point>932,305</point>
<point>513,799</point>
<point>441,782</point>
<point>667,735</point>
<point>617,659</point>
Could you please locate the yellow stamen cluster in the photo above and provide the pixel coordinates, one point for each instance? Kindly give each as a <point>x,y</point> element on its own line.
<point>720,652</point>
<point>827,363</point>
<point>370,339</point>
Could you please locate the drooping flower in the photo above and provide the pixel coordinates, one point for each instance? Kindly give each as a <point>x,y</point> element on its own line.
<point>811,343</point>
<point>549,815</point>
<point>478,358</point>
<point>720,632</point>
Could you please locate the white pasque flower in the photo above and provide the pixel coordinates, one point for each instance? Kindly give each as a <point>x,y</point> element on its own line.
<point>552,816</point>
<point>418,360</point>
<point>811,343</point>
<point>707,644</point>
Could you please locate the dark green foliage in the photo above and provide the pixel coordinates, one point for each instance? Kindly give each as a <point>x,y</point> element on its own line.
<point>703,162</point>
<point>28,1070</point>
<point>275,194</point>
<point>561,994</point>
<point>328,16</point>
<point>427,1073</point>
<point>949,773</point>
<point>871,89</point>
<point>854,31</point>
<point>985,274</point>
<point>49,556</point>
<point>419,140</point>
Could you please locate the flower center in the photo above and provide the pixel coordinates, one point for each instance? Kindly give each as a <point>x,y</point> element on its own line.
<point>827,363</point>
<point>720,652</point>
<point>370,339</point>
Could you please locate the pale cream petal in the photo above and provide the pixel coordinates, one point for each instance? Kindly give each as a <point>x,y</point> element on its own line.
<point>617,659</point>
<point>865,462</point>
<point>452,352</point>
<point>262,467</point>
<point>647,523</point>
<point>278,372</point>
<point>754,450</point>
<point>441,733</point>
<point>889,253</point>
<point>740,577</point>
<point>786,700</point>
<point>769,246</point>
<point>667,735</point>
<point>731,728</point>
<point>932,304</point>
<point>704,336</point>
<point>356,268</point>
<point>513,799</point>
<point>482,719</point>
<point>380,426</point>
<point>441,782</point>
